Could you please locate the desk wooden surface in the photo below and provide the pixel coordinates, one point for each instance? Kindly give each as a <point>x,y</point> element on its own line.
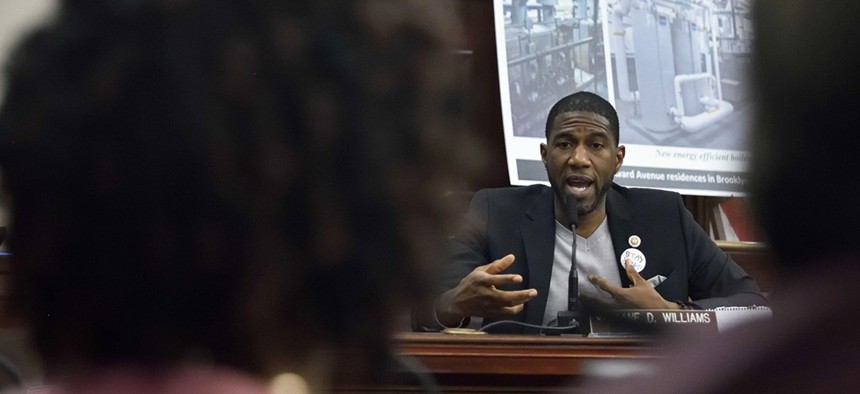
<point>509,363</point>
<point>517,354</point>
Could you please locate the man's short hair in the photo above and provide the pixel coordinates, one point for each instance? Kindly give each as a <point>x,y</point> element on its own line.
<point>588,102</point>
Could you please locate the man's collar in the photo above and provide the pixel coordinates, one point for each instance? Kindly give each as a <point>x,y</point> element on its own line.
<point>616,203</point>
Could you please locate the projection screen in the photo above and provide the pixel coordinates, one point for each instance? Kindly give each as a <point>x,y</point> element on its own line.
<point>674,70</point>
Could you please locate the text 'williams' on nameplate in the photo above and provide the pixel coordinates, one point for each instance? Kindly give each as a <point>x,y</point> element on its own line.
<point>649,322</point>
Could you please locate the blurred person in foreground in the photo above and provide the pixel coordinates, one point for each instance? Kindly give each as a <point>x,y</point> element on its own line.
<point>209,193</point>
<point>806,85</point>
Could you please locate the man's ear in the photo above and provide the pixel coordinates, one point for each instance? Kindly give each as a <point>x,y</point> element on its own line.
<point>543,154</point>
<point>620,151</point>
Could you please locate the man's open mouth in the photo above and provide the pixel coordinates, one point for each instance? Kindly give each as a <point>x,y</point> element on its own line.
<point>578,185</point>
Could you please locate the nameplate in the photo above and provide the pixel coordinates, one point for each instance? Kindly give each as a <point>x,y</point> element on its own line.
<point>649,322</point>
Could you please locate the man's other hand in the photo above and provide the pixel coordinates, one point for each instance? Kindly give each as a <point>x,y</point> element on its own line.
<point>640,296</point>
<point>477,295</point>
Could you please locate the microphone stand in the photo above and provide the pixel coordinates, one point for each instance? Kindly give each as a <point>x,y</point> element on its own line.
<point>573,316</point>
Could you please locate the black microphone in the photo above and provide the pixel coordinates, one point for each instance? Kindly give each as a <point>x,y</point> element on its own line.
<point>573,316</point>
<point>573,287</point>
<point>570,208</point>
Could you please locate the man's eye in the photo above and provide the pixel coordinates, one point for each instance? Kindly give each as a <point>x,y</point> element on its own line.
<point>596,145</point>
<point>564,145</point>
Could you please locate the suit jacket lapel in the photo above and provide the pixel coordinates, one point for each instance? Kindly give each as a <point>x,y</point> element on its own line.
<point>620,227</point>
<point>538,230</point>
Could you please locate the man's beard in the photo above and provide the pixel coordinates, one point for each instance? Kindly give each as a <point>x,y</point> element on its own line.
<point>582,209</point>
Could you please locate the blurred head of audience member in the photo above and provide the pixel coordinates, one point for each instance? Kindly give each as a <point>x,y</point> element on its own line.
<point>807,81</point>
<point>241,183</point>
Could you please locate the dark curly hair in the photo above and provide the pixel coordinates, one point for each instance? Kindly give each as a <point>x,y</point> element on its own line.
<point>247,181</point>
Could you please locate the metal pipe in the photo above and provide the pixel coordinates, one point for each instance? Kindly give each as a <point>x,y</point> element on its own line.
<point>679,79</point>
<point>618,48</point>
<point>709,6</point>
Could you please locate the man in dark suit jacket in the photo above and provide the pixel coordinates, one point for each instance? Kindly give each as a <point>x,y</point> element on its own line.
<point>501,265</point>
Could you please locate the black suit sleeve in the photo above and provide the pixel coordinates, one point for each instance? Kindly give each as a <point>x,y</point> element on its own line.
<point>464,252</point>
<point>468,249</point>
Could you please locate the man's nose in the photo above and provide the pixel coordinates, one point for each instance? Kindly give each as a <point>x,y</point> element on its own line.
<point>579,157</point>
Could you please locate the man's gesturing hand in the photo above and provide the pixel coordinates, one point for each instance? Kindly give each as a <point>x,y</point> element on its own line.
<point>477,295</point>
<point>640,296</point>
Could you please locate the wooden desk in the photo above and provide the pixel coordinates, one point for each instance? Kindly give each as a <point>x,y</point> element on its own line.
<point>509,363</point>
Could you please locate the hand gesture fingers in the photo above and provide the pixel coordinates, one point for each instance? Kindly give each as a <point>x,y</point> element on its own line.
<point>639,296</point>
<point>489,275</point>
<point>477,295</point>
<point>633,274</point>
<point>516,297</point>
<point>499,265</point>
<point>494,302</point>
<point>497,280</point>
<point>490,302</point>
<point>604,285</point>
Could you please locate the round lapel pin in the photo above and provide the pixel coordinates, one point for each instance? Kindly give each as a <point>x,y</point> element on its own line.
<point>634,241</point>
<point>635,256</point>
